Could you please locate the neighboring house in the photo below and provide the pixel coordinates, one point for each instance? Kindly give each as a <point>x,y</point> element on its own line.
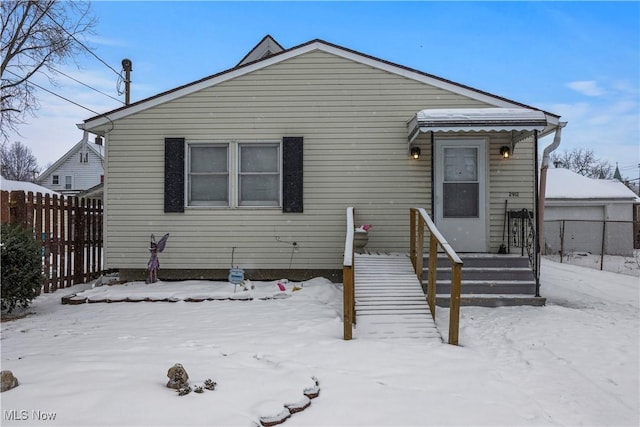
<point>9,185</point>
<point>262,160</point>
<point>582,205</point>
<point>80,168</point>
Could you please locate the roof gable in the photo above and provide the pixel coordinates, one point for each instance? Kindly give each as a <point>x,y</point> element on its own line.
<point>99,124</point>
<point>72,152</point>
<point>265,48</point>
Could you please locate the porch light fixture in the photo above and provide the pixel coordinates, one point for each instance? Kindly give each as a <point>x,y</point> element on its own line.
<point>415,152</point>
<point>505,151</point>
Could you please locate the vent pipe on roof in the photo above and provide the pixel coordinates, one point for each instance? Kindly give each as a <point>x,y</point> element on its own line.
<point>127,67</point>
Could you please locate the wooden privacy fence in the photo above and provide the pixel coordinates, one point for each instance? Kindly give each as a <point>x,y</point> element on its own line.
<point>68,229</point>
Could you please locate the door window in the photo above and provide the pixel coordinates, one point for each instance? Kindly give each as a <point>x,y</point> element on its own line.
<point>461,188</point>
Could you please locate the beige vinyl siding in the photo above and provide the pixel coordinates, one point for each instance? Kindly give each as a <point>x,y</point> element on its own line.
<point>353,120</point>
<point>512,179</point>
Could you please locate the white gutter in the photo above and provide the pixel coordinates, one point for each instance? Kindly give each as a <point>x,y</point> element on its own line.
<point>546,159</point>
<point>556,142</point>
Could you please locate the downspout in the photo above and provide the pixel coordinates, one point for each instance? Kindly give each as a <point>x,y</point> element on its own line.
<point>546,159</point>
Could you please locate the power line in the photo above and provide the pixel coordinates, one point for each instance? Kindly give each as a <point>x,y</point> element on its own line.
<point>77,41</point>
<point>75,80</point>
<point>55,94</point>
<point>86,85</point>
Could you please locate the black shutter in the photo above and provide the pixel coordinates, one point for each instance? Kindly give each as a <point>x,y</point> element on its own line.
<point>292,178</point>
<point>174,174</point>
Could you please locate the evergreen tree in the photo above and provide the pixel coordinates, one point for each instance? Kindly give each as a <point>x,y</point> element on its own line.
<point>21,267</point>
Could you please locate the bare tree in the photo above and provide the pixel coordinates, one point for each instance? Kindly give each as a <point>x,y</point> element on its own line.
<point>17,162</point>
<point>584,162</point>
<point>36,36</point>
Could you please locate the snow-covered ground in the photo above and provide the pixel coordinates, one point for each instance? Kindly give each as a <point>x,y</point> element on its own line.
<point>573,362</point>
<point>616,264</point>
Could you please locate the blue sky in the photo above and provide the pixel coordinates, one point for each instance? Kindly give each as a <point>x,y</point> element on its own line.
<point>580,60</point>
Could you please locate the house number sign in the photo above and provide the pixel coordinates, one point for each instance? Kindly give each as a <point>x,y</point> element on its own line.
<point>514,194</point>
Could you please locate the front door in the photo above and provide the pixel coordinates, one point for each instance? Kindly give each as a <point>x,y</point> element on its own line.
<point>460,193</point>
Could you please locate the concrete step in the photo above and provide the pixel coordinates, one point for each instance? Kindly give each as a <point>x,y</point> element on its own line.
<point>483,260</point>
<point>487,273</point>
<point>488,287</point>
<point>493,300</point>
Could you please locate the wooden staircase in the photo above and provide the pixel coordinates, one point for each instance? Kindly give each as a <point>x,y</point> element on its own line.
<point>488,280</point>
<point>390,302</point>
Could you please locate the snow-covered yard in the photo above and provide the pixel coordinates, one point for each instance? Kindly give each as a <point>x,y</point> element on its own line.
<point>572,362</point>
<point>629,265</point>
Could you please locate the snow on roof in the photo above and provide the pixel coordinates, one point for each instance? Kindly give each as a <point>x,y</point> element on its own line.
<point>479,120</point>
<point>484,115</point>
<point>9,185</point>
<point>565,184</point>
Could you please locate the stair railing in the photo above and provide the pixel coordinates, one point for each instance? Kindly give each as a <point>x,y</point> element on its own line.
<point>348,279</point>
<point>524,237</point>
<point>531,243</point>
<point>418,218</point>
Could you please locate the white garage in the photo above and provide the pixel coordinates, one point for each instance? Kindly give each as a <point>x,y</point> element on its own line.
<point>588,215</point>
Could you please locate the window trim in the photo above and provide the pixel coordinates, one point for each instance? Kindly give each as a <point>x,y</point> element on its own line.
<point>233,170</point>
<point>55,180</point>
<point>238,173</point>
<point>188,174</point>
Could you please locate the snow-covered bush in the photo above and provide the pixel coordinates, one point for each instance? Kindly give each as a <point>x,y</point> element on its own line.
<point>21,268</point>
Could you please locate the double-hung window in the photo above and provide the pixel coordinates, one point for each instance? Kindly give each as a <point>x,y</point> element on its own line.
<point>234,175</point>
<point>259,175</point>
<point>208,181</point>
<point>256,174</point>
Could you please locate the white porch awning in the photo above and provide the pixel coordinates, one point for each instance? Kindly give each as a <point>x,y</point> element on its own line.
<point>519,120</point>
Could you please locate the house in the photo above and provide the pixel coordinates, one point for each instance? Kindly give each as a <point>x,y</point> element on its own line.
<point>80,168</point>
<point>10,185</point>
<point>258,164</point>
<point>577,208</point>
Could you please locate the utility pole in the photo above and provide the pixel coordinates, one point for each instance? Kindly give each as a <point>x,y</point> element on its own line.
<point>127,67</point>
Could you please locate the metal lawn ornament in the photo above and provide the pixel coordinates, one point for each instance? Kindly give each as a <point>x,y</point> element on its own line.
<point>154,264</point>
<point>236,275</point>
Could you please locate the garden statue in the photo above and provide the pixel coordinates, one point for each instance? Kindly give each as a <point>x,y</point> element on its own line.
<point>154,264</point>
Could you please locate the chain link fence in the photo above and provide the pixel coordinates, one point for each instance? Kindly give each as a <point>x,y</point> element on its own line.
<point>593,243</point>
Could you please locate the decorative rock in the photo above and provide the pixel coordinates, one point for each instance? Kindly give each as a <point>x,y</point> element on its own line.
<point>275,419</point>
<point>183,391</point>
<point>72,299</point>
<point>300,406</point>
<point>178,377</point>
<point>8,380</point>
<point>210,384</point>
<point>313,392</point>
<point>293,408</point>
